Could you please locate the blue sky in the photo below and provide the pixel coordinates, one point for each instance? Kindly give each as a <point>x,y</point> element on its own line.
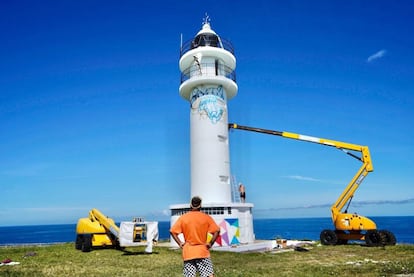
<point>90,113</point>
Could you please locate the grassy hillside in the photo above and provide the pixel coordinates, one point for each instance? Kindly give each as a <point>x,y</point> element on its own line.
<point>344,260</point>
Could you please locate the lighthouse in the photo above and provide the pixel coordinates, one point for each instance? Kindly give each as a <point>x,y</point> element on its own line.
<point>208,80</point>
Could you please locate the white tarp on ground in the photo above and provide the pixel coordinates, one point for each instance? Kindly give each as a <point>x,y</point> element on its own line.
<point>126,234</point>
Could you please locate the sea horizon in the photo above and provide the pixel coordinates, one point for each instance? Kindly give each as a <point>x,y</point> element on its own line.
<point>254,218</point>
<point>307,228</point>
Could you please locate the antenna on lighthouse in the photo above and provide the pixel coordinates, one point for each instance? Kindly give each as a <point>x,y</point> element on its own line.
<point>206,19</point>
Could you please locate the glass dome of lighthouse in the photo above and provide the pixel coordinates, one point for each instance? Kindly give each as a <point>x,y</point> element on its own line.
<point>206,37</point>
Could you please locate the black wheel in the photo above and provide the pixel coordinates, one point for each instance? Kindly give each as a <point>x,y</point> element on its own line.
<point>372,238</point>
<point>78,242</point>
<point>387,238</point>
<point>87,243</point>
<point>328,237</point>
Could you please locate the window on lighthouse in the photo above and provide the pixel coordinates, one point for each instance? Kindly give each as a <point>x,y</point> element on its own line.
<point>205,40</point>
<point>219,68</point>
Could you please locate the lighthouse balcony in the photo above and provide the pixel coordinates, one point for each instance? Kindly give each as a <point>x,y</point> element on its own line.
<point>206,40</point>
<point>208,75</point>
<point>212,69</point>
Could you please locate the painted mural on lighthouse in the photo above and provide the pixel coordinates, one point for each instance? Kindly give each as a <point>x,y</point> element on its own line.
<point>209,102</point>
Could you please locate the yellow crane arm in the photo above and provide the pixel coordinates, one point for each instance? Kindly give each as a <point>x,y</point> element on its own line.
<point>108,223</point>
<point>350,189</point>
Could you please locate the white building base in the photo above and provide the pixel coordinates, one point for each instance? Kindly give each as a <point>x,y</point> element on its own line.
<point>235,221</point>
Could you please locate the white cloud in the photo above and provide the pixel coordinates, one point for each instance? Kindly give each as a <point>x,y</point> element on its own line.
<point>302,178</point>
<point>354,204</point>
<point>311,179</point>
<point>377,55</point>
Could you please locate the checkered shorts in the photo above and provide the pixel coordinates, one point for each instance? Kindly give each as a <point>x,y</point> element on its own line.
<point>202,266</point>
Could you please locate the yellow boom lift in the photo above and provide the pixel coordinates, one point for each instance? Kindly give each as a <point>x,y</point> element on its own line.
<point>98,230</point>
<point>348,226</point>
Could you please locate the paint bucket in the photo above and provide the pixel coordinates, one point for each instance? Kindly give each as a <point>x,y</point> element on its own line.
<point>281,243</point>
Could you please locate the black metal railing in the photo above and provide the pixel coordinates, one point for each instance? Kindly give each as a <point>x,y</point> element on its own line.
<point>220,43</point>
<point>210,211</point>
<point>208,70</point>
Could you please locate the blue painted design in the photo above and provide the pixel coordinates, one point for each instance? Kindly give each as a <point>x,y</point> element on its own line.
<point>210,102</point>
<point>213,109</point>
<point>234,240</point>
<point>217,91</point>
<point>233,221</point>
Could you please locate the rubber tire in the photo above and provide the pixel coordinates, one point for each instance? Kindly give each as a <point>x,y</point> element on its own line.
<point>387,237</point>
<point>78,242</point>
<point>328,237</point>
<point>87,243</point>
<point>373,238</point>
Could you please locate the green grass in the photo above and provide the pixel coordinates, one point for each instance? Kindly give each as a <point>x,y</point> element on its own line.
<point>344,260</point>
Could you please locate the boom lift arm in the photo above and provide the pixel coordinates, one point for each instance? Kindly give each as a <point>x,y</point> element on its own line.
<point>365,158</point>
<point>98,230</point>
<point>347,226</point>
<point>108,223</point>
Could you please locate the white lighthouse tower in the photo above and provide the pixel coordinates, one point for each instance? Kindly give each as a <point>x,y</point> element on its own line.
<point>208,80</point>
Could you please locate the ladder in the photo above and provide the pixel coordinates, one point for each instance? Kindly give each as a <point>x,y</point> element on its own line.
<point>235,190</point>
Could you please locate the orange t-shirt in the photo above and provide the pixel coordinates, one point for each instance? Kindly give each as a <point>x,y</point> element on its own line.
<point>195,226</point>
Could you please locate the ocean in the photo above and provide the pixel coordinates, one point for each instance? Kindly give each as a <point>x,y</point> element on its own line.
<point>296,228</point>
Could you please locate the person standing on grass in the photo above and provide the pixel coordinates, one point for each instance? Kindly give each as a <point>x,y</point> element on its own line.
<point>195,227</point>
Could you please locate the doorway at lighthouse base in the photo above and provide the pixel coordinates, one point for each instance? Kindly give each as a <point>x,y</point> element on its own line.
<point>235,221</point>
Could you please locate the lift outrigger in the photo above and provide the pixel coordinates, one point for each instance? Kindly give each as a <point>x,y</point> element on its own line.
<point>348,226</point>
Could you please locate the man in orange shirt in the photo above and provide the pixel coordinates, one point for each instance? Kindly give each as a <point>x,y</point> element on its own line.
<point>195,227</point>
